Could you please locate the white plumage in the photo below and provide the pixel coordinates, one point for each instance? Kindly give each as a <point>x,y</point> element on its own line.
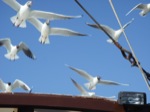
<point>82,90</point>
<point>12,50</point>
<point>8,87</point>
<point>145,9</point>
<point>115,34</point>
<point>46,30</point>
<point>93,81</point>
<point>24,12</point>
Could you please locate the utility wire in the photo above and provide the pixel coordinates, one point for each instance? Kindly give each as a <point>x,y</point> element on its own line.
<point>137,62</point>
<point>126,54</point>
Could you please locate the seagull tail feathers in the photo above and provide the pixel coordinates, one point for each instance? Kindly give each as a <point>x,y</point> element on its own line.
<point>8,56</point>
<point>44,41</point>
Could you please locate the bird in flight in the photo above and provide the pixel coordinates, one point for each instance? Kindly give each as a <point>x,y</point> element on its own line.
<point>46,30</point>
<point>24,12</point>
<point>9,87</point>
<point>12,50</point>
<point>93,81</point>
<point>115,34</point>
<point>145,9</point>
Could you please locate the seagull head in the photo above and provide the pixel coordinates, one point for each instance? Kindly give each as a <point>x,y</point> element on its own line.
<point>9,83</point>
<point>98,78</point>
<point>29,3</point>
<point>143,13</point>
<point>17,46</point>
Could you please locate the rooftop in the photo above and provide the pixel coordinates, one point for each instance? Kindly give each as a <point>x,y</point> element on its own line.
<point>33,102</point>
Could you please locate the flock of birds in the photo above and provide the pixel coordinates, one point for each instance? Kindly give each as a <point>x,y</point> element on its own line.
<point>24,13</point>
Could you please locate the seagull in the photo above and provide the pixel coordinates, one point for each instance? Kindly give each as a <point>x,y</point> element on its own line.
<point>46,30</point>
<point>115,34</point>
<point>13,50</point>
<point>24,12</point>
<point>82,90</point>
<point>144,7</point>
<point>8,87</point>
<point>93,81</point>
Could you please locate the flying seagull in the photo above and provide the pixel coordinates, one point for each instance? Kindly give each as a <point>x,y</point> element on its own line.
<point>93,81</point>
<point>46,30</point>
<point>8,87</point>
<point>115,34</point>
<point>82,90</point>
<point>13,50</point>
<point>144,7</point>
<point>24,12</point>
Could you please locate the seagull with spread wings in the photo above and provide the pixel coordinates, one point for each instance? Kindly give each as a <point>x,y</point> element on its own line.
<point>13,50</point>
<point>8,87</point>
<point>144,7</point>
<point>46,30</point>
<point>24,12</point>
<point>115,34</point>
<point>93,81</point>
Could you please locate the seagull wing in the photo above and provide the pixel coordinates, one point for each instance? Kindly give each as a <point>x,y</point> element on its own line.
<point>64,32</point>
<point>2,85</point>
<point>82,73</point>
<point>138,6</point>
<point>36,23</point>
<point>107,29</point>
<point>128,23</point>
<point>50,15</point>
<point>26,50</point>
<point>13,4</point>
<point>108,82</point>
<point>6,43</point>
<point>20,84</point>
<point>80,88</point>
<point>93,25</point>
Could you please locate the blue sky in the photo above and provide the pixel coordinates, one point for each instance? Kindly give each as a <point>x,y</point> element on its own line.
<point>48,73</point>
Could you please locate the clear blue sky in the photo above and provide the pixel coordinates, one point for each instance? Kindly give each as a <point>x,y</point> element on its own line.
<point>48,73</point>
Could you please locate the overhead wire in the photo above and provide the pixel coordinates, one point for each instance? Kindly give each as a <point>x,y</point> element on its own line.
<point>130,58</point>
<point>137,62</point>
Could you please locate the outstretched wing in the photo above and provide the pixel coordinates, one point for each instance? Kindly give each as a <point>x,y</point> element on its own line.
<point>50,15</point>
<point>36,23</point>
<point>128,23</point>
<point>80,88</point>
<point>138,6</point>
<point>13,4</point>
<point>108,82</point>
<point>65,32</point>
<point>20,84</point>
<point>82,73</point>
<point>2,85</point>
<point>26,50</point>
<point>107,29</point>
<point>6,43</point>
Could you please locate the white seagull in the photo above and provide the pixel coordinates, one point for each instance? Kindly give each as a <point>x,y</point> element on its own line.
<point>82,90</point>
<point>115,34</point>
<point>144,7</point>
<point>24,12</point>
<point>13,50</point>
<point>46,30</point>
<point>8,87</point>
<point>93,81</point>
